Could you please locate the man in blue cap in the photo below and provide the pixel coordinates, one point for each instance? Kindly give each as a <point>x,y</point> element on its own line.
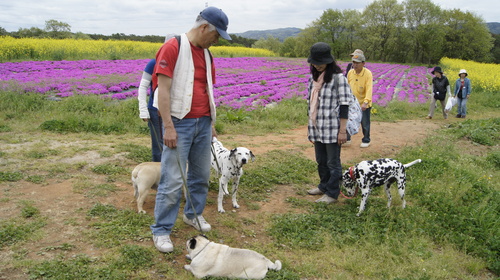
<point>183,79</point>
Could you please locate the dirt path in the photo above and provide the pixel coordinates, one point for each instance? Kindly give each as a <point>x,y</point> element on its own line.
<point>386,140</point>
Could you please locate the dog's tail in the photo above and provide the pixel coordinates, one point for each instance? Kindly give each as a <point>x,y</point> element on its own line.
<point>135,172</point>
<point>275,266</point>
<point>412,163</point>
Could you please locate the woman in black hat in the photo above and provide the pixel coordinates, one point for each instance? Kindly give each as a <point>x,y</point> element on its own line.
<point>328,113</point>
<point>440,86</point>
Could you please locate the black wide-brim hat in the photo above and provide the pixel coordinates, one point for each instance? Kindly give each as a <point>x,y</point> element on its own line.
<point>320,53</point>
<point>437,69</point>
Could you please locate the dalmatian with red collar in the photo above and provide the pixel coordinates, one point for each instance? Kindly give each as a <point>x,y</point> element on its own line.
<point>369,174</point>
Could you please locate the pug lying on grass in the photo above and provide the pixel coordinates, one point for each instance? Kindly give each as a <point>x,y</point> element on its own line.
<point>212,259</point>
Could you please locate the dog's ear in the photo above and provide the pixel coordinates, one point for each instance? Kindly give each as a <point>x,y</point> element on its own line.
<point>192,243</point>
<point>232,152</point>
<point>252,156</point>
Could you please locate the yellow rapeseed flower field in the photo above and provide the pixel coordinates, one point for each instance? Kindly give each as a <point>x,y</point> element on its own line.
<point>12,49</point>
<point>483,76</point>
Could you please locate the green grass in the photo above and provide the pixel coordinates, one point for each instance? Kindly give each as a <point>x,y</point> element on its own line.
<point>449,230</point>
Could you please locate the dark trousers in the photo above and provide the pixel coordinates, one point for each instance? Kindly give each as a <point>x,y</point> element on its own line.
<point>365,125</point>
<point>154,124</point>
<point>329,168</point>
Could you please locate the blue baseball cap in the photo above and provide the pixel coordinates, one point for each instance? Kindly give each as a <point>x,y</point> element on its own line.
<point>218,19</point>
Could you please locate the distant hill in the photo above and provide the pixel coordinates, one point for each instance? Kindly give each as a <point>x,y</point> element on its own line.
<point>280,33</point>
<point>283,33</point>
<point>494,27</point>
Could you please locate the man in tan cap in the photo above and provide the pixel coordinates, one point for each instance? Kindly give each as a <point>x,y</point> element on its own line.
<point>349,66</point>
<point>361,82</point>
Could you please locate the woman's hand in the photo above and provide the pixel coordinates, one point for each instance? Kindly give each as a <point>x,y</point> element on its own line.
<point>342,138</point>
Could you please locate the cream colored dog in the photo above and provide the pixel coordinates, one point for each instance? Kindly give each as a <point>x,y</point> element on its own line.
<point>218,260</point>
<point>145,176</point>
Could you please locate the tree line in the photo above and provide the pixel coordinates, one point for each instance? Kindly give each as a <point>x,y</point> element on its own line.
<point>60,30</point>
<point>414,31</point>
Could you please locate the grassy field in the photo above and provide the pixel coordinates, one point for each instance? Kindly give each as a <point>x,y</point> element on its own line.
<point>67,216</point>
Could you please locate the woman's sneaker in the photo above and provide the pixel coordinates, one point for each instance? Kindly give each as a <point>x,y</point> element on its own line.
<point>315,191</point>
<point>327,199</point>
<point>205,227</point>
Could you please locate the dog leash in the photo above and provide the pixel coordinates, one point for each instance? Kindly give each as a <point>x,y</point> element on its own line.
<point>200,251</point>
<point>188,193</point>
<point>215,157</point>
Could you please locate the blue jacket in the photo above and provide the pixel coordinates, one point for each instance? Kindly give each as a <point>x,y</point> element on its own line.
<point>467,87</point>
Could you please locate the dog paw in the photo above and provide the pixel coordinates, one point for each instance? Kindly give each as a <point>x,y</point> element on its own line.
<point>236,205</point>
<point>142,212</point>
<point>222,211</point>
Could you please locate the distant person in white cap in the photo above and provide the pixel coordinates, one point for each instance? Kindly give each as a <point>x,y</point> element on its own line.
<point>183,78</point>
<point>462,92</point>
<point>361,82</point>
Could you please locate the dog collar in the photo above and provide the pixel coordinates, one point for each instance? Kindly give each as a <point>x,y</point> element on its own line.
<point>351,172</point>
<point>200,250</point>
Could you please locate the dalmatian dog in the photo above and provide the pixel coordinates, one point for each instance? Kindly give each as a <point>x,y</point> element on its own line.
<point>369,174</point>
<point>229,165</point>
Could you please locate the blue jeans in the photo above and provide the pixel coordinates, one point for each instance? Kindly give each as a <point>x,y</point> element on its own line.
<point>194,138</point>
<point>462,106</point>
<point>365,125</point>
<point>154,124</point>
<point>329,168</point>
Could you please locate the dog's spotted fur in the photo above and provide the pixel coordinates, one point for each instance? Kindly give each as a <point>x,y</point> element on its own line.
<point>369,174</point>
<point>229,164</point>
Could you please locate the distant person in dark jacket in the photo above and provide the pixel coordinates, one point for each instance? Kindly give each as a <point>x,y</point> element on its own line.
<point>440,86</point>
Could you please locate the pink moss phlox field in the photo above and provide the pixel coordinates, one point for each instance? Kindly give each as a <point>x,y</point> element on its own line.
<point>243,82</point>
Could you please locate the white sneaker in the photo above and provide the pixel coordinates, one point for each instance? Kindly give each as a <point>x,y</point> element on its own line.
<point>205,227</point>
<point>314,191</point>
<point>347,143</point>
<point>327,199</point>
<point>365,145</point>
<point>163,243</point>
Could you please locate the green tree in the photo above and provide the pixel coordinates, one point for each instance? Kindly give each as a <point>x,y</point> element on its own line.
<point>466,36</point>
<point>270,43</point>
<point>82,36</point>
<point>287,48</point>
<point>383,20</point>
<point>33,32</point>
<point>3,32</point>
<point>57,29</point>
<point>425,31</point>
<point>496,48</point>
<point>305,39</point>
<point>350,36</point>
<point>331,28</point>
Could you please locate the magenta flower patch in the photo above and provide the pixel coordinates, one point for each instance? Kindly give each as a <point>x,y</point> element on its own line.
<point>242,82</point>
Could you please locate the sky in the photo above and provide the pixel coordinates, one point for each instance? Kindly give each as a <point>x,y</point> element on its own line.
<point>161,17</point>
